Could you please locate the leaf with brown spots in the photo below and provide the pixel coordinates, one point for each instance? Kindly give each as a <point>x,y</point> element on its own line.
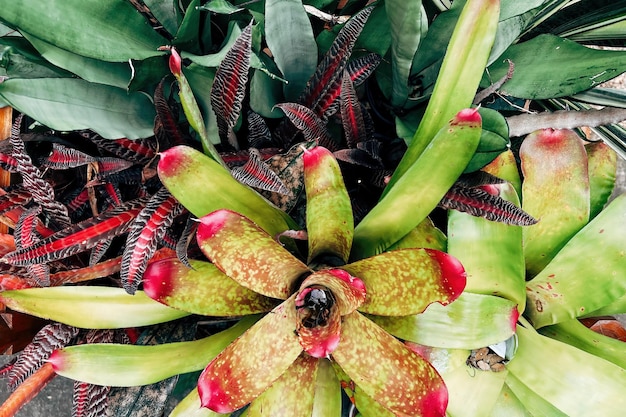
<point>252,363</point>
<point>202,289</point>
<point>406,281</point>
<point>248,255</point>
<point>386,370</point>
<point>291,395</point>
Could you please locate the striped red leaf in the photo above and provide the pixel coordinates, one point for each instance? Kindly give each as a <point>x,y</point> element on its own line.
<point>257,174</point>
<point>351,113</point>
<point>312,127</point>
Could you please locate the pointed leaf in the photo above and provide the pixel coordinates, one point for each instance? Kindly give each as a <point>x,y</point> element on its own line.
<point>471,322</point>
<point>130,365</point>
<point>203,290</point>
<point>229,85</point>
<point>182,169</point>
<point>145,234</point>
<point>63,157</point>
<point>406,281</point>
<point>330,224</point>
<point>291,395</point>
<point>312,127</point>
<point>90,307</point>
<point>257,174</point>
<point>234,378</point>
<point>351,113</point>
<point>602,173</point>
<point>561,291</point>
<point>553,163</point>
<point>388,371</point>
<point>89,399</point>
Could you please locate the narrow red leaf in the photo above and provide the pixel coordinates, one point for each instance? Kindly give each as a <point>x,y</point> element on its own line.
<point>17,197</point>
<point>145,234</point>
<point>99,270</point>
<point>65,158</point>
<point>140,151</point>
<point>79,237</point>
<point>229,85</point>
<point>165,123</point>
<point>257,174</point>
<point>312,127</point>
<point>351,113</point>
<point>8,163</point>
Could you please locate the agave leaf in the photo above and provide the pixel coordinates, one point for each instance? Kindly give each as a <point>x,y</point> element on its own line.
<point>110,111</point>
<point>561,291</point>
<point>491,253</point>
<point>369,355</point>
<point>127,36</point>
<point>290,38</point>
<point>538,73</point>
<point>145,234</point>
<point>248,255</point>
<point>419,193</point>
<point>471,322</point>
<point>292,394</point>
<point>90,307</point>
<point>602,173</point>
<point>132,365</point>
<point>182,168</point>
<point>330,224</point>
<point>405,282</point>
<point>458,79</point>
<point>202,289</point>
<point>229,85</point>
<point>234,378</point>
<point>552,377</point>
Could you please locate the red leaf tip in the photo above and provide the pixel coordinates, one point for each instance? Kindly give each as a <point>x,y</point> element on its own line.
<point>514,318</point>
<point>212,223</point>
<point>355,282</point>
<point>453,275</point>
<point>57,360</point>
<point>435,402</point>
<point>468,116</point>
<point>213,397</point>
<point>175,62</point>
<point>325,346</point>
<point>171,161</point>
<point>314,156</point>
<point>157,279</point>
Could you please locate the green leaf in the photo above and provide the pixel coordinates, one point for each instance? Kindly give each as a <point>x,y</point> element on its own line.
<point>202,289</point>
<point>573,381</point>
<point>73,104</point>
<point>473,393</point>
<point>220,7</point>
<point>509,405</point>
<point>117,74</point>
<point>132,365</point>
<point>18,59</point>
<point>90,307</point>
<point>548,66</point>
<point>110,31</point>
<point>533,402</point>
<point>408,23</point>
<point>289,36</point>
<point>471,322</point>
<point>602,174</point>
<point>494,139</point>
<point>327,401</point>
<point>166,12</point>
<point>562,290</point>
<point>406,281</point>
<point>190,406</point>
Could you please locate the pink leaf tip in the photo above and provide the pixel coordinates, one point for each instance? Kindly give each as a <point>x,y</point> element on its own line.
<point>57,360</point>
<point>157,279</point>
<point>212,223</point>
<point>471,116</point>
<point>453,275</point>
<point>175,62</point>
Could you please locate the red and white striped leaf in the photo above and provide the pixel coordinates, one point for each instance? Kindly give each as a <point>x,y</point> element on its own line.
<point>17,197</point>
<point>322,88</point>
<point>229,85</point>
<point>65,158</point>
<point>8,163</point>
<point>25,236</point>
<point>79,237</point>
<point>139,151</point>
<point>98,251</point>
<point>165,124</point>
<point>257,174</point>
<point>259,134</point>
<point>185,239</point>
<point>47,340</point>
<point>145,234</point>
<point>351,113</point>
<point>313,128</point>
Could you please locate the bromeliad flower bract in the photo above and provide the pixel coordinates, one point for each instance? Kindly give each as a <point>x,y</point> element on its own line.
<point>323,313</point>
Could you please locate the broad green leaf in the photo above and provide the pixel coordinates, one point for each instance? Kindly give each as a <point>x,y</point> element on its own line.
<point>220,7</point>
<point>554,163</point>
<point>458,78</point>
<point>117,74</point>
<point>494,139</point>
<point>188,34</point>
<point>132,365</point>
<point>573,381</point>
<point>249,255</point>
<point>18,59</point>
<point>406,281</point>
<point>202,289</point>
<point>291,395</point>
<point>234,378</point>
<point>74,104</point>
<point>329,220</point>
<point>471,322</point>
<point>505,167</point>
<point>602,174</point>
<point>386,370</point>
<point>424,235</point>
<point>289,37</point>
<point>491,253</point>
<point>508,405</point>
<point>327,400</point>
<point>364,403</point>
<point>408,23</point>
<point>473,392</point>
<point>532,401</point>
<point>166,12</point>
<point>418,193</point>
<point>110,31</point>
<point>90,307</point>
<point>548,66</point>
<point>563,290</point>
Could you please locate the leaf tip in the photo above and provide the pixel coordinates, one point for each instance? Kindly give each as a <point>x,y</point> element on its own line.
<point>175,62</point>
<point>57,360</point>
<point>213,396</point>
<point>468,116</point>
<point>212,223</point>
<point>435,402</point>
<point>453,275</point>
<point>157,279</point>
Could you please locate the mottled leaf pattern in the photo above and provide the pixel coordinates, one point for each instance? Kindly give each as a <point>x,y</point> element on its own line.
<point>145,234</point>
<point>47,340</point>
<point>8,163</point>
<point>229,85</point>
<point>257,174</point>
<point>312,127</point>
<point>79,237</point>
<point>478,202</point>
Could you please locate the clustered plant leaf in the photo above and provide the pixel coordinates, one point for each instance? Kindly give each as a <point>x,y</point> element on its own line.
<point>195,163</point>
